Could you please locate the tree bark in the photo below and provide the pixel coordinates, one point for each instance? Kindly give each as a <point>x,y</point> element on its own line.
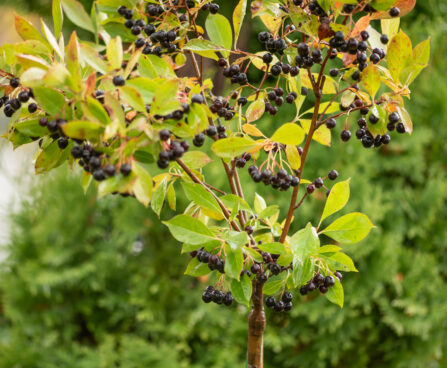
<point>256,327</point>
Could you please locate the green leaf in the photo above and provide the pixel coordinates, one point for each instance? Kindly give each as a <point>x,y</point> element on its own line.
<point>274,248</point>
<point>147,87</point>
<point>95,111</point>
<point>49,100</point>
<point>381,126</point>
<point>83,130</point>
<point>259,203</point>
<point>50,157</point>
<point>117,183</point>
<point>382,4</point>
<point>198,194</point>
<point>234,261</point>
<point>305,242</point>
<point>255,111</point>
<point>152,66</point>
<point>293,156</point>
<point>241,290</point>
<point>233,146</point>
<point>273,284</point>
<point>143,185</point>
<point>219,31</point>
<point>337,199</point>
<point>349,229</point>
<point>27,31</point>
<point>196,268</point>
<point>91,57</point>
<point>254,254</point>
<point>203,48</point>
<point>289,133</point>
<point>238,18</point>
<point>329,249</point>
<point>51,39</point>
<point>158,196</point>
<point>165,99</point>
<point>31,128</point>
<point>133,98</point>
<point>196,159</point>
<point>115,53</point>
<point>172,199</point>
<point>188,229</point>
<point>302,271</point>
<point>77,14</point>
<point>335,294</point>
<point>371,79</point>
<point>399,55</point>
<point>58,17</point>
<point>340,261</point>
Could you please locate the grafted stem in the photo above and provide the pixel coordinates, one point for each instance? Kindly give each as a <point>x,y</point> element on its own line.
<point>256,328</point>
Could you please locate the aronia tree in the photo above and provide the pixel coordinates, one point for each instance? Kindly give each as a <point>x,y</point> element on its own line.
<point>118,107</point>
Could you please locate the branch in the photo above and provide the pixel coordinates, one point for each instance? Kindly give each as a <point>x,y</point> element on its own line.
<point>318,87</point>
<point>233,224</point>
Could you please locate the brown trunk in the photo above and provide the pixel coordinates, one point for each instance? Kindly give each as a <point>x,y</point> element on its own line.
<point>256,327</point>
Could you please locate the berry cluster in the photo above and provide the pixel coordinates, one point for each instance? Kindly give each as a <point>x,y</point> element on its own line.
<point>11,105</point>
<point>283,304</point>
<point>172,150</point>
<point>222,108</point>
<point>93,161</point>
<point>271,44</point>
<point>214,262</point>
<point>321,283</point>
<point>280,180</point>
<point>217,296</point>
<point>234,73</point>
<point>276,96</point>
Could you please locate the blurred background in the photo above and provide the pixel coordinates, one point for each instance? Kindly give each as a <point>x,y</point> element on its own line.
<point>95,284</point>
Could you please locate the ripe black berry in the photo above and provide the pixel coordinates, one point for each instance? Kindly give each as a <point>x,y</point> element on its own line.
<point>164,134</point>
<point>345,135</point>
<point>125,169</point>
<point>394,11</point>
<point>62,142</point>
<point>394,118</point>
<point>270,302</point>
<point>331,123</point>
<point>14,82</point>
<point>400,128</point>
<point>198,140</point>
<point>214,8</point>
<point>310,188</point>
<point>318,183</point>
<point>275,268</point>
<point>287,297</point>
<point>367,141</point>
<point>118,81</point>
<point>197,99</point>
<point>279,306</point>
<point>333,72</point>
<point>333,174</point>
<point>373,119</point>
<point>32,107</point>
<point>384,39</point>
<point>329,281</point>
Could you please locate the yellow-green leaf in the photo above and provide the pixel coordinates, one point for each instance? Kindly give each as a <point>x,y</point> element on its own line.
<point>337,199</point>
<point>289,133</point>
<point>349,229</point>
<point>115,53</point>
<point>233,146</point>
<point>255,111</point>
<point>371,79</point>
<point>238,18</point>
<point>219,31</point>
